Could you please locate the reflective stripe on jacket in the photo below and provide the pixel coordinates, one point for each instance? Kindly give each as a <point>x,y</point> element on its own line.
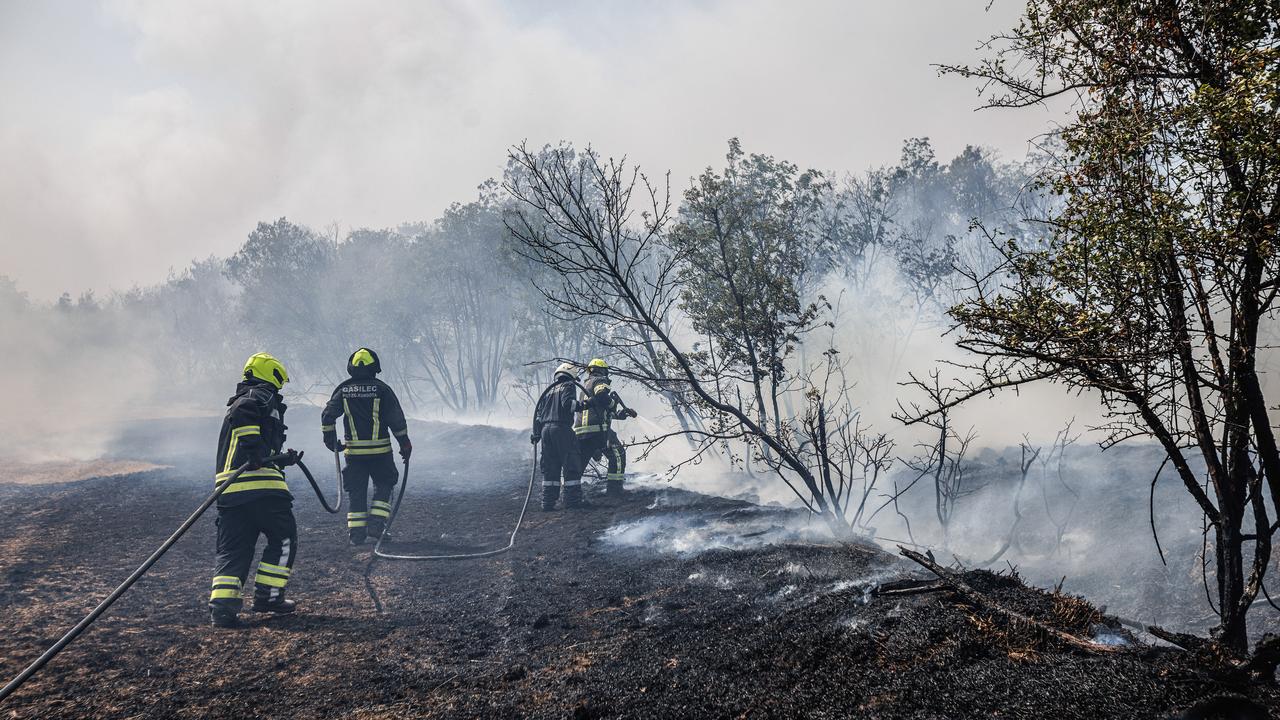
<point>252,430</point>
<point>598,406</point>
<point>372,414</point>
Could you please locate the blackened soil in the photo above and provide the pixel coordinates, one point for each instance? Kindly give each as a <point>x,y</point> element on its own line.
<point>566,625</point>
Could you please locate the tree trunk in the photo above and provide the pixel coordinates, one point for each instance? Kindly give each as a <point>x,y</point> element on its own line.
<point>1230,562</point>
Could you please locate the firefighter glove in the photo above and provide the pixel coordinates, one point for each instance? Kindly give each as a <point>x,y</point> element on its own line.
<point>406,448</point>
<point>291,457</point>
<point>331,440</point>
<point>534,439</point>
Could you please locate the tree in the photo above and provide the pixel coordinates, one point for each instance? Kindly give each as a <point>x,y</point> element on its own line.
<point>1163,261</point>
<point>857,229</point>
<point>373,297</point>
<point>602,227</point>
<point>1061,510</point>
<point>283,271</point>
<point>462,269</point>
<point>12,300</point>
<point>896,235</point>
<point>572,214</point>
<point>544,336</point>
<point>745,240</point>
<point>196,309</point>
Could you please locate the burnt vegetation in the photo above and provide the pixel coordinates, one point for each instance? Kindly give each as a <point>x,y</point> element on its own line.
<point>571,623</point>
<point>1131,260</point>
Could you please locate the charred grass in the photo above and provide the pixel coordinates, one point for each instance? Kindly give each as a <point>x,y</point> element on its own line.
<point>564,626</point>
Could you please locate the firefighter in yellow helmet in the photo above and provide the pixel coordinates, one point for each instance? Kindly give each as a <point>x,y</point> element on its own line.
<point>259,501</point>
<point>372,416</point>
<point>596,438</point>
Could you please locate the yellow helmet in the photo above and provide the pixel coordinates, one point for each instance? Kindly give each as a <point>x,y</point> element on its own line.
<point>364,362</point>
<point>597,364</point>
<point>266,368</point>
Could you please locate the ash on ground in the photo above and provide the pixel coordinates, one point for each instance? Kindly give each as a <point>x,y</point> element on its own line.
<point>660,605</point>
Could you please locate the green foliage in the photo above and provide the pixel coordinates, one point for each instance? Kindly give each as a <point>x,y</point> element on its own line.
<point>745,239</point>
<point>1163,262</point>
<point>281,270</point>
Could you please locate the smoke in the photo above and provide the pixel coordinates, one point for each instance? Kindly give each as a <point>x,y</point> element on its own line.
<point>1084,520</point>
<point>149,134</point>
<point>885,337</point>
<point>157,133</point>
<point>1085,525</point>
<point>692,530</point>
<point>58,360</point>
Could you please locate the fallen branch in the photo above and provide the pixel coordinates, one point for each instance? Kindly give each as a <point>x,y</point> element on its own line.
<point>1183,640</point>
<point>909,586</point>
<point>980,600</point>
<point>916,590</point>
<point>1260,666</point>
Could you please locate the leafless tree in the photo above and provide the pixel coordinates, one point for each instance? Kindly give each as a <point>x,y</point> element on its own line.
<point>1053,472</point>
<point>600,225</point>
<point>562,198</point>
<point>944,459</point>
<point>1025,463</point>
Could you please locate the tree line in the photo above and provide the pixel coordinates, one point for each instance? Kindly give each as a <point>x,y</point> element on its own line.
<point>460,311</point>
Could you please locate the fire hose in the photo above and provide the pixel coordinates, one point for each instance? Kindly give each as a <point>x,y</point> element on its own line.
<point>102,607</point>
<point>511,541</point>
<point>337,504</point>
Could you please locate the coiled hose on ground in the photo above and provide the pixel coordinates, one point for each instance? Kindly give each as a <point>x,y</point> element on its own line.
<point>511,541</point>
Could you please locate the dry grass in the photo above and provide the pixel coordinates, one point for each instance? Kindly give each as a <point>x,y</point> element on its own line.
<point>63,471</point>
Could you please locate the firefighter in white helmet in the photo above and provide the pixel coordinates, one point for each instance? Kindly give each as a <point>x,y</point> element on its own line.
<point>560,463</point>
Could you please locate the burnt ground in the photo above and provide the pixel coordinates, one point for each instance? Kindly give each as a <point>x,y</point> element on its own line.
<point>578,621</point>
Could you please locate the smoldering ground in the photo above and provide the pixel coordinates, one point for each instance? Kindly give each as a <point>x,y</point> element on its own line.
<point>747,614</point>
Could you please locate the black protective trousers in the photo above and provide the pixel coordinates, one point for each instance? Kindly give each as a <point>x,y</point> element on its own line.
<point>606,444</point>
<point>238,530</point>
<point>559,458</point>
<point>365,518</point>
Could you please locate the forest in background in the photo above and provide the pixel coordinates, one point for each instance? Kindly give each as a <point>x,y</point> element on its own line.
<point>455,309</point>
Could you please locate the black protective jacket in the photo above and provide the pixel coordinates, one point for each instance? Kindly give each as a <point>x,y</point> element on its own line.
<point>252,430</point>
<point>372,412</point>
<point>557,405</point>
<point>598,408</point>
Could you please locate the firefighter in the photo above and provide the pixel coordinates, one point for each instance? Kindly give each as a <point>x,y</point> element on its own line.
<point>553,427</point>
<point>599,407</point>
<point>373,415</point>
<point>259,501</point>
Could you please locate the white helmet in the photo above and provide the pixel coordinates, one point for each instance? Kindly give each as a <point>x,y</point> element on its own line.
<point>568,369</point>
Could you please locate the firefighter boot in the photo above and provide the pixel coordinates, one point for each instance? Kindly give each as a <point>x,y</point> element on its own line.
<point>613,489</point>
<point>279,606</point>
<point>573,498</point>
<point>374,528</point>
<point>223,617</point>
<point>358,535</point>
<point>550,494</point>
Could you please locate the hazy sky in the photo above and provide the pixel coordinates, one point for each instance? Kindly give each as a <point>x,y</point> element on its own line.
<point>138,135</point>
